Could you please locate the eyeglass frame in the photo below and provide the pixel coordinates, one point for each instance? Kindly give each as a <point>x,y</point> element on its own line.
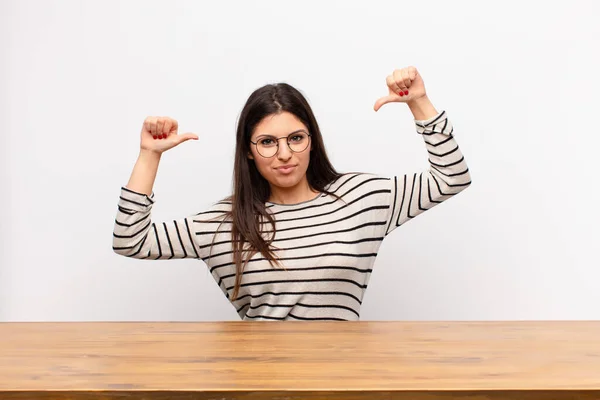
<point>277,139</point>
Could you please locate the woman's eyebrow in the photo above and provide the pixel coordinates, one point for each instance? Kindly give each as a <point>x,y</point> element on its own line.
<point>291,133</point>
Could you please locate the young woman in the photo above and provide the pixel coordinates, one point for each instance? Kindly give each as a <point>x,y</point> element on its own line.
<point>296,240</point>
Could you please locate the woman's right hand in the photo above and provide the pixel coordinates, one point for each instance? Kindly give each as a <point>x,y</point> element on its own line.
<point>159,134</point>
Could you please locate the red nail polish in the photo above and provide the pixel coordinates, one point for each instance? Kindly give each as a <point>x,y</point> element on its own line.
<point>164,135</point>
<point>401,94</point>
<point>155,137</point>
<point>406,92</point>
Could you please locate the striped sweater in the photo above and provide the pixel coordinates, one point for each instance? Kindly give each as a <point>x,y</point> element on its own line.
<point>326,246</point>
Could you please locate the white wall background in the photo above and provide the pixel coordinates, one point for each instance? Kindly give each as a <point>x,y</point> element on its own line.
<point>519,80</point>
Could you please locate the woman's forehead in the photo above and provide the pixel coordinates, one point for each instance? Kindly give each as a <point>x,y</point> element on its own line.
<point>281,124</point>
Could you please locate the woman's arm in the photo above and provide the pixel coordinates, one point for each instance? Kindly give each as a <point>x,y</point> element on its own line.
<point>144,172</point>
<point>422,108</point>
<point>447,175</point>
<point>135,234</point>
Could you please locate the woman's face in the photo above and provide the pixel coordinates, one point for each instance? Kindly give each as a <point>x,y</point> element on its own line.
<point>286,168</point>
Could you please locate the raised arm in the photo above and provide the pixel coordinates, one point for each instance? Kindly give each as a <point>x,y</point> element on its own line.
<point>447,175</point>
<point>135,234</point>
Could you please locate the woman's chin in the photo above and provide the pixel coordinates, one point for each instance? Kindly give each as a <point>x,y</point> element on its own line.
<point>285,181</point>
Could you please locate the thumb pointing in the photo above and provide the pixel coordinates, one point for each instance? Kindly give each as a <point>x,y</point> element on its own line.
<point>185,137</point>
<point>383,100</point>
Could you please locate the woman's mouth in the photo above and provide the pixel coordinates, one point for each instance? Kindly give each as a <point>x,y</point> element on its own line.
<point>286,169</point>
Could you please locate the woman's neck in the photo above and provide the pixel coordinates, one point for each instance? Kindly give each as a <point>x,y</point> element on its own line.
<point>300,193</point>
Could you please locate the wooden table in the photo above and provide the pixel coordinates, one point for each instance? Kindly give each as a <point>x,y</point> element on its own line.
<point>300,360</point>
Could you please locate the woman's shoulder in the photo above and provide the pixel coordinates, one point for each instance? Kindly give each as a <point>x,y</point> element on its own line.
<point>217,211</point>
<point>352,181</point>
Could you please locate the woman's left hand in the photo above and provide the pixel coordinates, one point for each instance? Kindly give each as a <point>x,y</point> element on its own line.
<point>405,85</point>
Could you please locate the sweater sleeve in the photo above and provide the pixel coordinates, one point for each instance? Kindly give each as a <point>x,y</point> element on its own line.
<point>135,235</point>
<point>447,174</point>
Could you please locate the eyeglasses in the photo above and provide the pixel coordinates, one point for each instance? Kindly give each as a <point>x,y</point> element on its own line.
<point>267,146</point>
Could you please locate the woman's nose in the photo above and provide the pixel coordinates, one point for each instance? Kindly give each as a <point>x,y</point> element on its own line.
<point>284,152</point>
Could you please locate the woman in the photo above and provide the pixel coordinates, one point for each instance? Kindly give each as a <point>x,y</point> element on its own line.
<point>296,240</point>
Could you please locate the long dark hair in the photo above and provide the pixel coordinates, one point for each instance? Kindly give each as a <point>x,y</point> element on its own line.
<point>251,190</point>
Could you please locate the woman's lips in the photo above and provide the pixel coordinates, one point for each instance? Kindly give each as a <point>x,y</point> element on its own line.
<point>286,169</point>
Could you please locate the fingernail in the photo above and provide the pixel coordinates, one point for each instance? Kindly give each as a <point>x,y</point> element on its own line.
<point>155,137</point>
<point>164,135</point>
<point>406,92</point>
<point>401,94</point>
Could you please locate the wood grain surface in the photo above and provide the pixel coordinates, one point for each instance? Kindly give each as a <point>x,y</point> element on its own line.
<point>300,360</point>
